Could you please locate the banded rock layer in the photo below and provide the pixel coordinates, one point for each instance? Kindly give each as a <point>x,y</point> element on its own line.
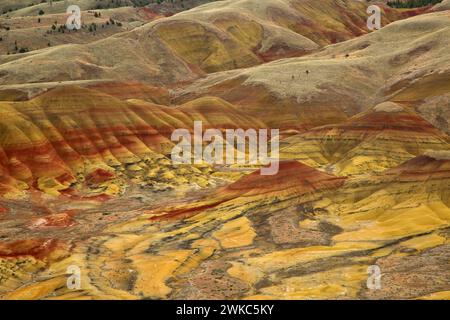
<point>381,138</point>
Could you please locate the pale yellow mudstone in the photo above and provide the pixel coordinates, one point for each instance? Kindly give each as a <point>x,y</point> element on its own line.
<point>236,233</point>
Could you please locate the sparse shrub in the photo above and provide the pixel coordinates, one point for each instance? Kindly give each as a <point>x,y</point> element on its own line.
<point>412,3</point>
<point>92,27</point>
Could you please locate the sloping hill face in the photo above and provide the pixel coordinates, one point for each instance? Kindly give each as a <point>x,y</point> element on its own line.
<point>348,77</point>
<point>84,132</point>
<point>34,32</point>
<point>360,144</point>
<point>288,246</point>
<point>261,240</point>
<point>21,8</point>
<point>72,135</point>
<point>86,178</point>
<point>219,36</point>
<point>294,180</point>
<point>444,5</point>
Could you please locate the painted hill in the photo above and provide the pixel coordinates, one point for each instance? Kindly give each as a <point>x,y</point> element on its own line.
<point>28,33</point>
<point>259,246</point>
<point>344,79</point>
<point>218,36</point>
<point>70,134</point>
<point>381,138</point>
<point>86,179</point>
<point>22,8</point>
<point>294,179</point>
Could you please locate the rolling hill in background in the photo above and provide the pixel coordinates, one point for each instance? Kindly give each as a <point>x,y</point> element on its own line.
<point>86,176</point>
<point>230,35</point>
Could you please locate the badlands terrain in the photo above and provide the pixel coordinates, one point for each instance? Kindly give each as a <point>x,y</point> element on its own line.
<point>87,181</point>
